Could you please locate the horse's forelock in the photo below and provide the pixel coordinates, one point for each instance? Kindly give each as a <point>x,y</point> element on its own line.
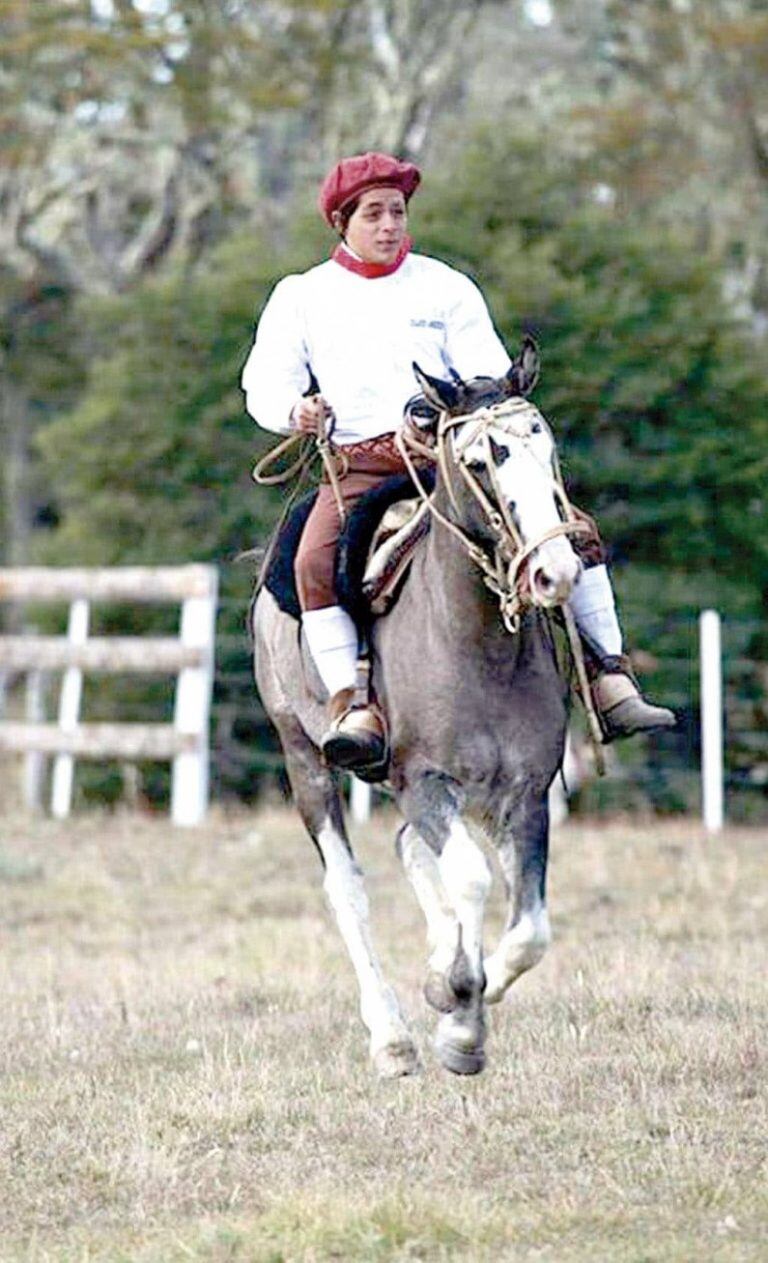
<point>480,392</point>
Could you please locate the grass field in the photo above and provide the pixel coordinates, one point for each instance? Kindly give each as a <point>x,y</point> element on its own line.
<point>184,1075</point>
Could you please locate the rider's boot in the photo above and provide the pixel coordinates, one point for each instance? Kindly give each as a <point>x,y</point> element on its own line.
<point>621,707</point>
<point>356,736</point>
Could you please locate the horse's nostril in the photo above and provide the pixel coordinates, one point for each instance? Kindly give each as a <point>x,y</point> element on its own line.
<point>548,589</point>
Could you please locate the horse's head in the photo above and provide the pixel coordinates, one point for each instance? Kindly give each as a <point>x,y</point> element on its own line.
<point>497,456</point>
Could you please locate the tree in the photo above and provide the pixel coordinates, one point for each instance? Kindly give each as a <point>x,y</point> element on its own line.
<point>36,367</point>
<point>680,125</point>
<point>403,59</point>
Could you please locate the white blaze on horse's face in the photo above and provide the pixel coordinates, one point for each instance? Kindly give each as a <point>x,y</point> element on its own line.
<point>522,451</point>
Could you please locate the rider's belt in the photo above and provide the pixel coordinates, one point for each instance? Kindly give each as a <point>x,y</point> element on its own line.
<point>373,456</point>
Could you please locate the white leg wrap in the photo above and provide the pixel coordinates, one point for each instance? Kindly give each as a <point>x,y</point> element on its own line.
<point>332,639</point>
<point>594,609</point>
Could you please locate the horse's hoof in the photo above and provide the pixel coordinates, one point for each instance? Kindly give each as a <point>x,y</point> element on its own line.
<point>395,1061</point>
<point>459,1043</point>
<point>439,993</point>
<point>460,1060</point>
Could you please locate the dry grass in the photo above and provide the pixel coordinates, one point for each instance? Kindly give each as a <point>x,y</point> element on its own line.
<point>184,1075</point>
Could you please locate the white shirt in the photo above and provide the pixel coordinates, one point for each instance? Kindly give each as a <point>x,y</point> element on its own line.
<point>360,336</point>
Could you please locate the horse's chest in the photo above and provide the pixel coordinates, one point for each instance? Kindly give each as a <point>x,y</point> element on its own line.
<point>487,734</point>
<point>484,710</point>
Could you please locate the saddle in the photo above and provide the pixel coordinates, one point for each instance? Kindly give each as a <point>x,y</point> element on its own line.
<point>375,550</point>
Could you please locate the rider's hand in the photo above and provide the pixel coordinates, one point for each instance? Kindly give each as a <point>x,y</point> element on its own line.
<point>309,414</point>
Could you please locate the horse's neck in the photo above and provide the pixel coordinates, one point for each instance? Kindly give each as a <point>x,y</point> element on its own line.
<point>467,609</point>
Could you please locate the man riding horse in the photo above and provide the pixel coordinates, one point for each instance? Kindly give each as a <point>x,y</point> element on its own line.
<point>337,344</point>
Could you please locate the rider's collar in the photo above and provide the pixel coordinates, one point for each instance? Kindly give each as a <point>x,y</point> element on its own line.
<point>353,263</point>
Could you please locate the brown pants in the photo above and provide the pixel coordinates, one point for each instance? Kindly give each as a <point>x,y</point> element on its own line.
<point>368,464</point>
<point>590,548</point>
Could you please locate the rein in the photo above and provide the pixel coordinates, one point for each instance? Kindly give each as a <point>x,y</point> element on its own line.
<point>309,446</point>
<point>502,568</point>
<point>334,462</point>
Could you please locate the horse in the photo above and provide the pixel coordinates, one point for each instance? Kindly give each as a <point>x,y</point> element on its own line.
<point>464,666</point>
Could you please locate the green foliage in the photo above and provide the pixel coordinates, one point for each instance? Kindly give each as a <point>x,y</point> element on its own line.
<point>153,465</point>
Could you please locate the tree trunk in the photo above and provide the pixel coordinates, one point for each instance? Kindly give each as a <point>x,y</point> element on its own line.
<point>14,428</point>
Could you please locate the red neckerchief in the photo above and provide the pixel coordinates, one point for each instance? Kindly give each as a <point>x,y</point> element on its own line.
<point>370,270</point>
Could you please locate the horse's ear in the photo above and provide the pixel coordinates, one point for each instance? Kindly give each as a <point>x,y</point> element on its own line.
<point>444,395</point>
<point>524,371</point>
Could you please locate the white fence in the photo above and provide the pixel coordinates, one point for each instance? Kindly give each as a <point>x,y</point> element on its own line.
<point>190,657</point>
<point>712,763</point>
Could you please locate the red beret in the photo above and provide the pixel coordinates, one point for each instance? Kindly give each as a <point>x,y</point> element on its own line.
<point>352,176</point>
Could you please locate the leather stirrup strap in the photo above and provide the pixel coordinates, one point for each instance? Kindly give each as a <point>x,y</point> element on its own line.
<point>593,722</point>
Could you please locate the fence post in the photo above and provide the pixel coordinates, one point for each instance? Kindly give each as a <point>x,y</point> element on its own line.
<point>34,761</point>
<point>711,720</point>
<point>360,800</point>
<point>189,781</point>
<point>69,712</point>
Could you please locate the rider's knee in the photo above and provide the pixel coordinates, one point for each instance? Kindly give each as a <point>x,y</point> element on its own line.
<point>314,574</point>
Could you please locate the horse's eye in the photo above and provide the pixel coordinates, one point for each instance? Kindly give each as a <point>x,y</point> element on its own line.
<point>536,428</point>
<point>499,451</point>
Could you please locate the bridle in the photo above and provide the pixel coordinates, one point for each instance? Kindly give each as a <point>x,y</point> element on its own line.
<point>502,562</point>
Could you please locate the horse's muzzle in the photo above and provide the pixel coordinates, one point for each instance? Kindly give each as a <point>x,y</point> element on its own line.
<point>552,573</point>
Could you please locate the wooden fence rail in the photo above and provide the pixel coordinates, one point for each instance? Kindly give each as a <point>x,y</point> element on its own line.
<point>190,658</point>
<point>144,584</point>
<point>110,655</point>
<point>99,741</point>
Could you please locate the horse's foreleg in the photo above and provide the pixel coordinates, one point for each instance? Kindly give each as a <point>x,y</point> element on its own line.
<point>523,856</point>
<point>421,867</point>
<point>317,799</point>
<point>467,880</point>
<point>391,1046</point>
<point>433,808</point>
